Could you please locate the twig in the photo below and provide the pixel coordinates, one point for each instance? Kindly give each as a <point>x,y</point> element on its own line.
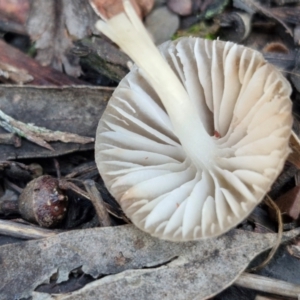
<point>10,139</point>
<point>57,168</point>
<point>13,186</point>
<point>274,206</point>
<point>98,202</point>
<point>40,135</point>
<point>24,231</point>
<point>83,170</point>
<point>67,184</point>
<point>268,285</point>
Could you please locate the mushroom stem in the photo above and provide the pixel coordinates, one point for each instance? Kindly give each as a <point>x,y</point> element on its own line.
<point>128,32</point>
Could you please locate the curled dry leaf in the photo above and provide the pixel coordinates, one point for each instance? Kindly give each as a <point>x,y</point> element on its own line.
<point>294,248</point>
<point>54,25</point>
<point>253,6</point>
<point>294,156</point>
<point>289,203</point>
<point>190,143</point>
<point>236,25</point>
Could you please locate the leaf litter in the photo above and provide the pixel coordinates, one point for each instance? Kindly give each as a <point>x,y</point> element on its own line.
<point>125,262</point>
<point>134,261</point>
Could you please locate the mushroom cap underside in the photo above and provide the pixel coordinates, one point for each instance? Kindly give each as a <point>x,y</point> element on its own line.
<point>244,105</point>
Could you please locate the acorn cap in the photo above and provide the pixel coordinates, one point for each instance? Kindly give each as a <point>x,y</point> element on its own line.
<point>190,157</point>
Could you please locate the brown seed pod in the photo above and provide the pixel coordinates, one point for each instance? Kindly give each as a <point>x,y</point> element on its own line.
<point>43,202</point>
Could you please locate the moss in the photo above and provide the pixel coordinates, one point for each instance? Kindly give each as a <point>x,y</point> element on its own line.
<point>32,50</point>
<point>201,29</point>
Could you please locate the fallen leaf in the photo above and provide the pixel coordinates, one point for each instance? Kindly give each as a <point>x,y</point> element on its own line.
<point>294,248</point>
<point>289,203</point>
<point>253,6</point>
<point>295,147</point>
<point>287,14</point>
<point>69,109</point>
<point>54,25</point>
<point>10,73</point>
<point>134,260</point>
<point>37,74</point>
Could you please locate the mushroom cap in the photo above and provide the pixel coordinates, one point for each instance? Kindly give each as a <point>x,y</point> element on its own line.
<point>244,105</point>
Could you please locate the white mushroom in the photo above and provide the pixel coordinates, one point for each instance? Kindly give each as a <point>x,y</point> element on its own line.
<point>192,139</point>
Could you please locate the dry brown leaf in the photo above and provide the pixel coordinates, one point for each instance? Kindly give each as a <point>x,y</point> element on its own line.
<point>294,156</point>
<point>134,260</point>
<point>289,203</point>
<point>54,25</point>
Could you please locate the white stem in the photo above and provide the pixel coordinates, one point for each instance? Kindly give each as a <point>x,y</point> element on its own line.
<point>128,32</point>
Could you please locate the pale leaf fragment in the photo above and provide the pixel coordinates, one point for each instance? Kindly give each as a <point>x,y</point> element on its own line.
<point>175,270</point>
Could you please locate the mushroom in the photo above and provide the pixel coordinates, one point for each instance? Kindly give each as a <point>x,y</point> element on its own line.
<point>194,136</point>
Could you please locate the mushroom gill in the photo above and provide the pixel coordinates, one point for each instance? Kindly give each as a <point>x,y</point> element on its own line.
<point>192,138</point>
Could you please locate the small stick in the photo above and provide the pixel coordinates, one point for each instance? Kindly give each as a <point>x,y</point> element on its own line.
<point>98,203</point>
<point>83,169</point>
<point>40,135</point>
<point>10,139</point>
<point>268,285</point>
<point>24,231</point>
<point>57,168</point>
<point>67,184</point>
<point>274,206</point>
<point>13,186</point>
